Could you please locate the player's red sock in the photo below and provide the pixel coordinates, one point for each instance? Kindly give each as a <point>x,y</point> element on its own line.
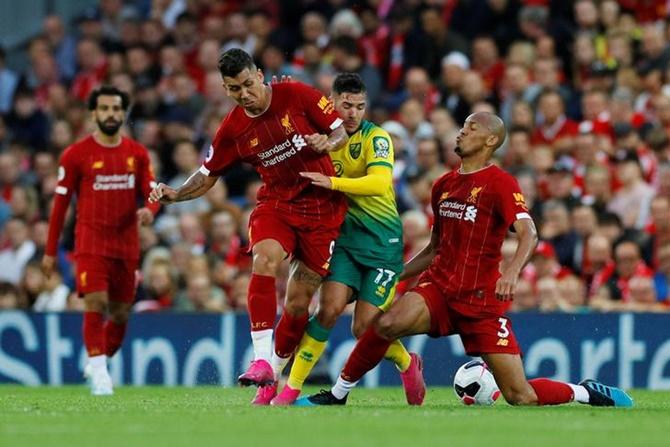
<point>262,302</point>
<point>289,332</point>
<point>114,334</point>
<point>551,392</point>
<point>94,335</point>
<point>367,353</point>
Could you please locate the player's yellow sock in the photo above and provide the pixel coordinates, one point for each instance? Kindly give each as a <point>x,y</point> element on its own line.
<point>309,352</point>
<point>398,355</point>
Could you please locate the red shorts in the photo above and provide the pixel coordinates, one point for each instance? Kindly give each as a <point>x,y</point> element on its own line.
<point>482,330</point>
<point>104,274</point>
<point>310,241</point>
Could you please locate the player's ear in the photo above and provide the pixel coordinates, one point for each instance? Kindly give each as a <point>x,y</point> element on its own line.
<point>492,141</point>
<point>259,74</point>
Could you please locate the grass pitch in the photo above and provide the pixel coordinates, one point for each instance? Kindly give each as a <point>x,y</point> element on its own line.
<point>209,416</point>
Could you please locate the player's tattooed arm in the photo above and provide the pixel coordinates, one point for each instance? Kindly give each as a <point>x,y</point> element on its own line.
<point>422,260</point>
<point>328,143</point>
<point>196,185</point>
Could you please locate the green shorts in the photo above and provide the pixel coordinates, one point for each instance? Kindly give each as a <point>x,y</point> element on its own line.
<point>375,285</point>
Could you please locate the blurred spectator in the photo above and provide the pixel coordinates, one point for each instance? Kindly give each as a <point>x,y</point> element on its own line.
<point>201,296</point>
<point>18,250</point>
<point>613,286</point>
<point>10,297</point>
<point>631,201</point>
<point>662,276</point>
<point>8,83</point>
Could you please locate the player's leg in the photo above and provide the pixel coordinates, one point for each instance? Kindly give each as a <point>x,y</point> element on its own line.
<point>262,304</point>
<point>92,284</point>
<point>314,248</point>
<point>410,365</point>
<point>303,282</point>
<point>121,299</point>
<point>495,335</point>
<point>334,298</point>
<point>377,294</point>
<point>408,315</point>
<point>95,308</point>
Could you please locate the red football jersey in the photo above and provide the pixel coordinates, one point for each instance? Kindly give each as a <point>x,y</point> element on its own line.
<point>473,213</point>
<point>107,182</point>
<point>274,144</point>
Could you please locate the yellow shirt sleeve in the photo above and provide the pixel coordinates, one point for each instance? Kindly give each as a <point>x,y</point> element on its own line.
<point>377,181</point>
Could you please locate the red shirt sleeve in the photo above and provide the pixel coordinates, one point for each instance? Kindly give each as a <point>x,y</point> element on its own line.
<point>68,182</point>
<point>512,204</point>
<point>318,109</point>
<point>222,153</point>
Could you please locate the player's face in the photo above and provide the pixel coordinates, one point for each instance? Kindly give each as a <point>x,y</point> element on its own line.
<point>109,114</point>
<point>351,107</point>
<point>247,89</point>
<point>471,138</point>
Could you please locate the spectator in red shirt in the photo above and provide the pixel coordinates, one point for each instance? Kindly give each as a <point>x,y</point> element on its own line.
<point>556,128</point>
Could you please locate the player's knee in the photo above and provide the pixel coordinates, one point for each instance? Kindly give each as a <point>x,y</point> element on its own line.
<point>119,316</point>
<point>295,306</point>
<point>386,327</point>
<point>264,264</point>
<point>358,328</point>
<point>517,396</point>
<point>328,315</point>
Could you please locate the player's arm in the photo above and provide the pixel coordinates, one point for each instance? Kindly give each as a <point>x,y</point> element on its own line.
<point>328,143</point>
<point>419,263</point>
<point>195,186</point>
<point>377,181</point>
<point>320,112</point>
<point>68,178</point>
<point>527,236</point>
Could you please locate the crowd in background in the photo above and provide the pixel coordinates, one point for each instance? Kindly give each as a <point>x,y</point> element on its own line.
<point>583,87</point>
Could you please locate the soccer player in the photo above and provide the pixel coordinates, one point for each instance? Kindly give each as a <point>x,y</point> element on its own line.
<point>460,290</point>
<point>367,259</point>
<point>281,129</point>
<point>107,172</point>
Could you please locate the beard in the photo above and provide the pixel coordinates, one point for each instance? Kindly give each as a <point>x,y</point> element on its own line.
<point>109,127</point>
<point>458,151</point>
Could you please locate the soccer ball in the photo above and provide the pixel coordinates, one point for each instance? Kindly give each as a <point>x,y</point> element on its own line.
<point>474,384</point>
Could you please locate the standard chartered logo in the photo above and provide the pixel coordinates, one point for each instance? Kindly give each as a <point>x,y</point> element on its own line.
<point>457,210</point>
<point>470,213</point>
<point>282,151</point>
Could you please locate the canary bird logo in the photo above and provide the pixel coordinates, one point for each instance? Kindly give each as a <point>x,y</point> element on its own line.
<point>474,193</point>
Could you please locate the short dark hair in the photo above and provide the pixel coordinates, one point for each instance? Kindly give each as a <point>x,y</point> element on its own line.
<point>233,61</point>
<point>107,90</point>
<point>349,83</point>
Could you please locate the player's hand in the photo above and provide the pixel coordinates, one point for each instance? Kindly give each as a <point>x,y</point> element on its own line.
<point>506,286</point>
<point>319,142</point>
<point>163,193</point>
<point>318,179</point>
<point>145,216</point>
<point>284,78</point>
<point>48,265</point>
